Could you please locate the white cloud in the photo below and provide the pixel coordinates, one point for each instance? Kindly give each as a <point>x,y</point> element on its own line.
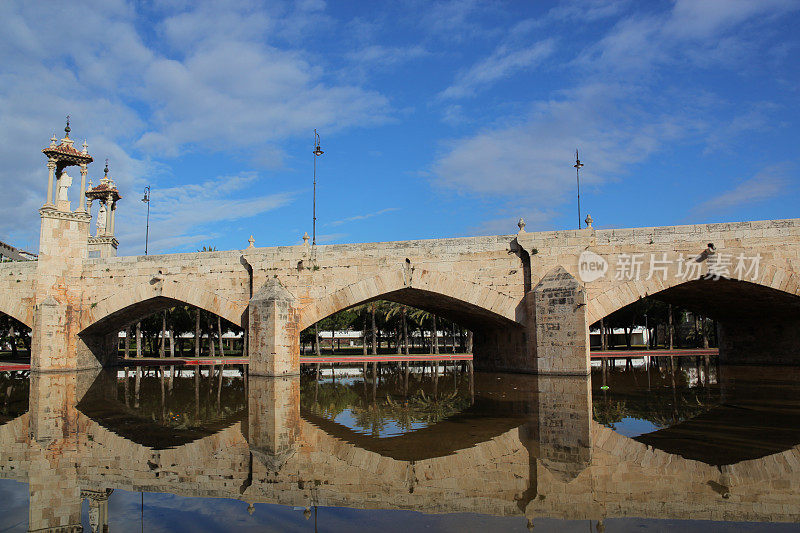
<point>451,20</point>
<point>330,238</point>
<point>503,62</point>
<point>768,183</point>
<point>362,217</point>
<point>754,118</point>
<point>700,32</point>
<point>508,224</point>
<point>179,215</point>
<point>697,20</point>
<point>231,94</point>
<point>532,156</point>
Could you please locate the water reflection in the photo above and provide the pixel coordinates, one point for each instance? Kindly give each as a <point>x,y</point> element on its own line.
<point>387,405</point>
<point>162,407</point>
<point>747,413</point>
<point>721,448</point>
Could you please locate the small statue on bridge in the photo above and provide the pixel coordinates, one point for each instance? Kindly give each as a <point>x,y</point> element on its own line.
<point>101,219</point>
<point>63,187</point>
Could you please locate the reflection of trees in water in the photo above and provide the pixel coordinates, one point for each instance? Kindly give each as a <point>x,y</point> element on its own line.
<point>184,402</point>
<point>14,387</point>
<point>419,407</point>
<point>327,399</point>
<point>660,404</point>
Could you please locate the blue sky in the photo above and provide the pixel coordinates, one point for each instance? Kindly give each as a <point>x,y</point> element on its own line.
<point>437,119</point>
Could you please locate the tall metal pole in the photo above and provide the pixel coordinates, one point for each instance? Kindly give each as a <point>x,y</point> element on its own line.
<point>578,166</point>
<point>146,199</point>
<point>314,209</point>
<point>317,152</point>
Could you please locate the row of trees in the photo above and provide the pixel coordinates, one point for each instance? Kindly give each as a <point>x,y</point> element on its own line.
<point>390,327</point>
<point>163,333</point>
<point>14,336</point>
<point>667,325</point>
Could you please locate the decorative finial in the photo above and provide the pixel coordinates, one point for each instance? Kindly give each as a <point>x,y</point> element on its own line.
<point>589,221</point>
<point>85,147</point>
<point>521,225</point>
<point>252,242</point>
<point>67,129</point>
<point>305,238</point>
<point>307,512</point>
<point>105,170</point>
<point>53,140</point>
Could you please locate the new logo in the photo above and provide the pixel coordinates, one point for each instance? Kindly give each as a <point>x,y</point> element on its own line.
<point>591,266</point>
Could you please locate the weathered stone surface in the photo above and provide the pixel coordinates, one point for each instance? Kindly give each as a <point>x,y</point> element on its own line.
<point>273,419</point>
<point>562,332</point>
<point>273,334</point>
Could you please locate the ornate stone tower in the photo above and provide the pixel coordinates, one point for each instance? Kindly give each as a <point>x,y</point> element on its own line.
<point>63,229</point>
<point>103,244</point>
<point>63,249</point>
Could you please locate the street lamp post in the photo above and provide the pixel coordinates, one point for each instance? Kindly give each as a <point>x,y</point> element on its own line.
<point>317,152</point>
<point>146,199</point>
<point>578,166</point>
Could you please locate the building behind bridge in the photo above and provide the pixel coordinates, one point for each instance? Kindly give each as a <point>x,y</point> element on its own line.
<point>10,253</point>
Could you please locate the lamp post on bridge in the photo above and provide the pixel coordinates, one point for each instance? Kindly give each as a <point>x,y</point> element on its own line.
<point>578,165</point>
<point>146,199</point>
<point>317,152</point>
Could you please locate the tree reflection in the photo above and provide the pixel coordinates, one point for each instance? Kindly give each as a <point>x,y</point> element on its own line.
<point>374,415</point>
<point>666,403</point>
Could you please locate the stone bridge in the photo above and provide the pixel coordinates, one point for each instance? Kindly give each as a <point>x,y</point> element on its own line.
<point>556,463</point>
<point>529,297</point>
<point>521,294</point>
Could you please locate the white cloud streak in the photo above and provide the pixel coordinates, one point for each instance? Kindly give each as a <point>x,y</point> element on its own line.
<point>362,217</point>
<point>768,183</point>
<point>188,214</point>
<point>503,62</point>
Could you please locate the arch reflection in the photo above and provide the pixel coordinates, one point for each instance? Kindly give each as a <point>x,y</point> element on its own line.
<point>552,460</point>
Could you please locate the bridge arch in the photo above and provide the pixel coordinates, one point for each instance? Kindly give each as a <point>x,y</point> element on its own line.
<point>20,309</point>
<point>129,304</point>
<point>772,276</point>
<point>758,317</point>
<point>470,304</point>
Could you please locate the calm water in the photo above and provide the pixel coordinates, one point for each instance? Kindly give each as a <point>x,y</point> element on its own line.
<point>160,450</point>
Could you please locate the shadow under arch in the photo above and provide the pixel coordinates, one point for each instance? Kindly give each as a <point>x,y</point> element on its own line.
<point>130,304</point>
<point>446,294</point>
<point>727,435</point>
<point>772,277</point>
<point>759,322</point>
<point>493,317</point>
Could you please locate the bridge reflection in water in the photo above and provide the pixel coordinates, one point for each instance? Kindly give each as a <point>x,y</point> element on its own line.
<point>506,445</point>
